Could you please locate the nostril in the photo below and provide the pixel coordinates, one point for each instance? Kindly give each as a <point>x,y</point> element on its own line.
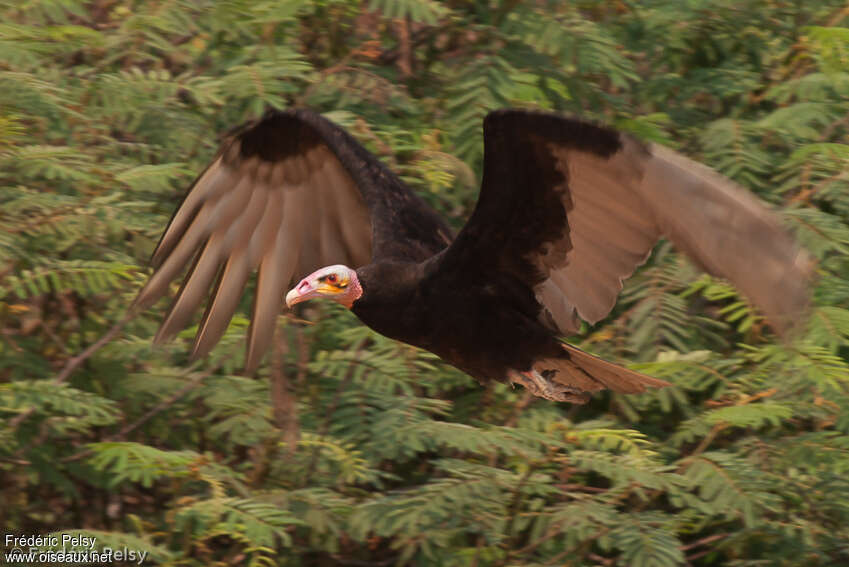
<point>302,285</point>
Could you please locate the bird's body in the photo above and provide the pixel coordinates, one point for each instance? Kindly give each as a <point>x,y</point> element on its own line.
<point>484,330</point>
<point>567,211</point>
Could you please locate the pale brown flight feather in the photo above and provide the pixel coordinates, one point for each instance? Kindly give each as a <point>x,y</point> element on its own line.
<point>286,217</point>
<point>235,273</point>
<point>620,206</point>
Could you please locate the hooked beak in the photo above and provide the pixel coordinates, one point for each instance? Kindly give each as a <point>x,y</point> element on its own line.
<point>301,292</point>
<point>307,289</point>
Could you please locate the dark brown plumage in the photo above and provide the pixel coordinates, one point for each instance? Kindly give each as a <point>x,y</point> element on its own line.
<point>567,210</point>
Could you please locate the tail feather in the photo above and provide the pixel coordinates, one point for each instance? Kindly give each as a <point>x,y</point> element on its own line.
<point>590,373</point>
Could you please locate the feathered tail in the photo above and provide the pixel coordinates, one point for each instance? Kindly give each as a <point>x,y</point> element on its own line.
<point>574,378</point>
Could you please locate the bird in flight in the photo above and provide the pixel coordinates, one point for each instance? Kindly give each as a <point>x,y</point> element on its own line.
<point>567,210</point>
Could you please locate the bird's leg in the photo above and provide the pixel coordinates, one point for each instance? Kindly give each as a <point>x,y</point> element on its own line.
<point>532,381</point>
<point>541,387</point>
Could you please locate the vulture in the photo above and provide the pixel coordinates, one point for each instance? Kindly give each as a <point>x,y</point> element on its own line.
<point>567,210</point>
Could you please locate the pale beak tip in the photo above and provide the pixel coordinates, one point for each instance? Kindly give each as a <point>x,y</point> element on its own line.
<point>292,297</point>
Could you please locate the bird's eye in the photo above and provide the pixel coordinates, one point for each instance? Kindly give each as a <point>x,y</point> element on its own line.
<point>331,278</point>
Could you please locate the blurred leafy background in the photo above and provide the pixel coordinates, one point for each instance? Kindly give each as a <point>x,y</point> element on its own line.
<point>350,449</point>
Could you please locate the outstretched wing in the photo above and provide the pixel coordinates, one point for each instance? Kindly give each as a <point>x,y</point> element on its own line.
<point>286,194</point>
<point>572,209</point>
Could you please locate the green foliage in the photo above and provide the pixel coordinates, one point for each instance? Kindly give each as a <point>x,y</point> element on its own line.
<point>348,448</point>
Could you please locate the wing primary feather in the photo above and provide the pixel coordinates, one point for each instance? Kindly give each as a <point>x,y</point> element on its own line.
<point>625,234</point>
<point>197,283</point>
<point>610,184</point>
<point>331,241</point>
<point>608,259</point>
<point>233,277</point>
<point>209,186</point>
<point>214,216</point>
<point>223,304</point>
<point>275,271</point>
<point>353,219</point>
<point>731,234</point>
<point>192,291</point>
<point>262,244</point>
<point>264,236</point>
<point>624,200</point>
<point>157,285</point>
<point>309,256</point>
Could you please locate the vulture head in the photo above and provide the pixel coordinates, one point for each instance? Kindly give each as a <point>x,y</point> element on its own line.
<point>337,282</point>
